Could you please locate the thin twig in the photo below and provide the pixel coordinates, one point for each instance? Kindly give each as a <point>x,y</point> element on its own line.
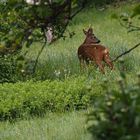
<point>37,58</point>
<point>78,11</point>
<point>126,52</point>
<point>39,53</point>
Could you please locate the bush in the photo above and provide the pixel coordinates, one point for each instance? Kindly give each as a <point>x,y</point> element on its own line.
<point>24,99</point>
<point>15,68</point>
<point>7,69</point>
<point>116,115</point>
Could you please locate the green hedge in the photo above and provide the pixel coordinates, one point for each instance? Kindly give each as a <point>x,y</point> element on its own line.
<point>35,98</point>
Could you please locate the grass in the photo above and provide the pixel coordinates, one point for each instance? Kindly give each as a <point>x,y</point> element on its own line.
<point>62,56</point>
<point>68,126</point>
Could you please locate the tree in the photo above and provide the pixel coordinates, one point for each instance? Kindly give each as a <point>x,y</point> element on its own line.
<point>23,22</point>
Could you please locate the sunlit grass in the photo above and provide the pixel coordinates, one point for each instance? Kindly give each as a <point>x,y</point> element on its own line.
<point>68,126</point>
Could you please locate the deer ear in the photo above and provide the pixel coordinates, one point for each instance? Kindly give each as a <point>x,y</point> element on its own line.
<point>90,30</point>
<point>85,32</point>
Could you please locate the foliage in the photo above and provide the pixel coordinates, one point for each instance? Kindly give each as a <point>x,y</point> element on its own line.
<point>103,2</point>
<point>116,115</point>
<point>127,20</point>
<point>14,68</point>
<point>22,23</point>
<point>7,69</point>
<point>23,99</point>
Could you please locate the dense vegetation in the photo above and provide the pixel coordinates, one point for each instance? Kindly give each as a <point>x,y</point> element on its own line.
<point>116,114</point>
<point>60,86</point>
<point>23,99</point>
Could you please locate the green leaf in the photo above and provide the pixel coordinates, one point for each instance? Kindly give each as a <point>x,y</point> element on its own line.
<point>136,11</point>
<point>114,16</point>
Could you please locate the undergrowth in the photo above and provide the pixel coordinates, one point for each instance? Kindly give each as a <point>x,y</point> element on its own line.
<point>36,98</point>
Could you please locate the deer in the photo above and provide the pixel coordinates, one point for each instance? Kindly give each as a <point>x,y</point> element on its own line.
<point>92,50</point>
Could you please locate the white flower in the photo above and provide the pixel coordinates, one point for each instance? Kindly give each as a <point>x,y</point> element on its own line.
<point>22,71</point>
<point>57,73</point>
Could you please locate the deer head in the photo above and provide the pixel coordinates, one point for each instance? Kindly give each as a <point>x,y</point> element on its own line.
<point>90,37</point>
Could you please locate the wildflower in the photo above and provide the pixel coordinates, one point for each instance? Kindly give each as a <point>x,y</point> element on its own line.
<point>57,73</point>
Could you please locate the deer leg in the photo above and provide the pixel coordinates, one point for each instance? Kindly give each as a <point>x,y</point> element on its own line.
<point>108,61</point>
<point>82,63</point>
<point>101,67</point>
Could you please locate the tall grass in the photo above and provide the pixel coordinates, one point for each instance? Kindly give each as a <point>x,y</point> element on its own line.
<point>61,57</point>
<point>68,126</point>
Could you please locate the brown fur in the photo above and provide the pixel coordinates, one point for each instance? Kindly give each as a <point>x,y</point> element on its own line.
<point>91,50</point>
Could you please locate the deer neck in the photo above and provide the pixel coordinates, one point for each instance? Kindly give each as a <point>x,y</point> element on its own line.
<point>89,42</point>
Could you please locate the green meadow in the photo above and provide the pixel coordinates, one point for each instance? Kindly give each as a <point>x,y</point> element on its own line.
<point>60,59</point>
<point>56,106</point>
<point>68,126</point>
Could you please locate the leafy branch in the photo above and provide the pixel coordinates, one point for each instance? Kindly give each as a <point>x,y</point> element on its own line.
<point>22,24</point>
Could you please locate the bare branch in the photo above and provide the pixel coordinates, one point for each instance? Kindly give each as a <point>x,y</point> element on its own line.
<point>126,52</point>
<point>39,53</point>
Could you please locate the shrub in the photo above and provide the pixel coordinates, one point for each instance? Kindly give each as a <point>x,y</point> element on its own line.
<point>15,68</point>
<point>7,69</point>
<point>36,98</point>
<point>116,115</point>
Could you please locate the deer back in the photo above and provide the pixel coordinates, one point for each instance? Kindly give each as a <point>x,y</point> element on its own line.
<point>91,51</point>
